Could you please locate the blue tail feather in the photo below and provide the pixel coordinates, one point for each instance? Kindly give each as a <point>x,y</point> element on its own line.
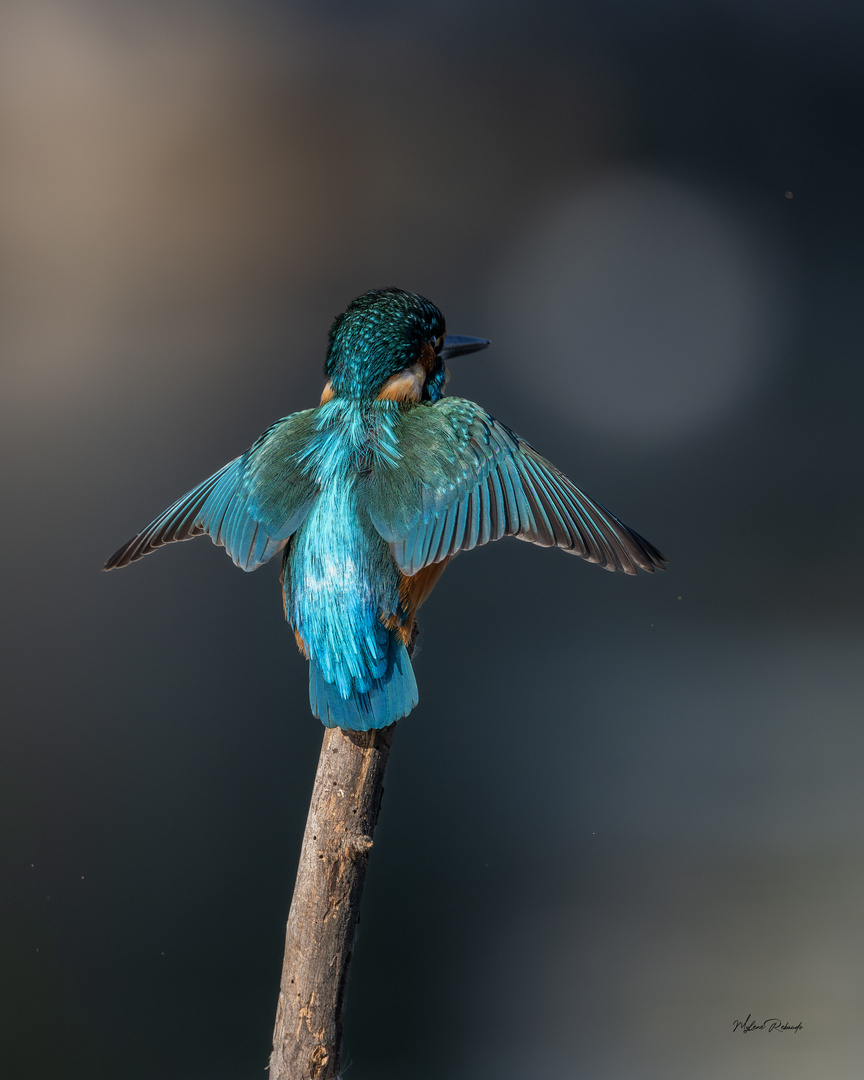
<point>389,698</point>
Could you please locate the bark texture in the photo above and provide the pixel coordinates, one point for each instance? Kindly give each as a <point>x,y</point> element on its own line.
<point>346,799</point>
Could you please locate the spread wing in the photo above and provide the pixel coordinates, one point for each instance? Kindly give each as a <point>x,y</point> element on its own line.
<point>459,479</point>
<point>250,506</point>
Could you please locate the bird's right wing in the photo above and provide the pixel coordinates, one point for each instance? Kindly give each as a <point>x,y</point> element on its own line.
<point>458,478</point>
<point>250,506</point>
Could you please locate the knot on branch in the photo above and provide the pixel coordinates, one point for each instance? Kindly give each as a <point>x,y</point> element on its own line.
<point>318,1059</point>
<point>358,846</point>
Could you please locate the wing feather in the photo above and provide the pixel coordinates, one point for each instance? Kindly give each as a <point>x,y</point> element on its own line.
<point>461,479</point>
<point>250,506</point>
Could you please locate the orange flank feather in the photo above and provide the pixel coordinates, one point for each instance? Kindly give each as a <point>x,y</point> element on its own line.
<point>326,393</point>
<point>413,591</point>
<point>301,644</point>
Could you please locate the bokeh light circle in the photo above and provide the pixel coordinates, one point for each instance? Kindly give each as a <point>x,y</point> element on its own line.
<point>638,307</point>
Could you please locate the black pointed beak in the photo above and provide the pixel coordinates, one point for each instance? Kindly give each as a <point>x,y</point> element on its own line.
<point>457,345</point>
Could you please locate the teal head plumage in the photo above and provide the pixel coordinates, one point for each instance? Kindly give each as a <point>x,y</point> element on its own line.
<point>370,494</point>
<point>379,335</point>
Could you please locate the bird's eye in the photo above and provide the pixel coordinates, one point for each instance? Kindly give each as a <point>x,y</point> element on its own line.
<point>439,341</point>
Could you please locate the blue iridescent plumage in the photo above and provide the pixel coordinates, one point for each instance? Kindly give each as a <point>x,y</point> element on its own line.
<point>370,495</point>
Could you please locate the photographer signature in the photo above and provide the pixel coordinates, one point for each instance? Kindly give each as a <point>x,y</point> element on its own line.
<point>771,1024</point>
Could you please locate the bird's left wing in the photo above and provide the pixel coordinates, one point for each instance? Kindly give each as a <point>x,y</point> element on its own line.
<point>458,478</point>
<point>250,506</point>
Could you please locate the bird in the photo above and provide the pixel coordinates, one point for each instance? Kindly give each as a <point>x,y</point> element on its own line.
<point>369,495</point>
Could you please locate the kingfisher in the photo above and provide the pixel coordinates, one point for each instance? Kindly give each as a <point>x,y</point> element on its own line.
<point>369,496</point>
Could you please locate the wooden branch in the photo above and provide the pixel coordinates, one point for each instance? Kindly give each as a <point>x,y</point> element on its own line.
<point>346,799</point>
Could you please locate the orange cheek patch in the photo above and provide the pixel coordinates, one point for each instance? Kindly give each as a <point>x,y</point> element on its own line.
<point>428,359</point>
<point>406,386</point>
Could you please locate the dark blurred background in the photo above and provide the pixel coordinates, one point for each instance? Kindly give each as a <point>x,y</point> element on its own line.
<point>626,812</point>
